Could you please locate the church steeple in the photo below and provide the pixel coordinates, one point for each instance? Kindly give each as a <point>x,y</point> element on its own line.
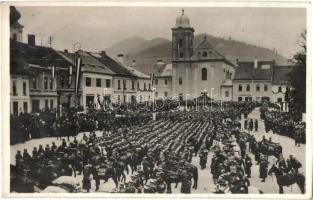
<point>182,39</point>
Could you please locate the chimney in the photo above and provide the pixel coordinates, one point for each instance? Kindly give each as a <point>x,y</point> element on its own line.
<point>134,63</point>
<point>102,54</point>
<point>120,58</point>
<point>31,39</point>
<point>237,61</point>
<point>65,51</point>
<point>255,63</point>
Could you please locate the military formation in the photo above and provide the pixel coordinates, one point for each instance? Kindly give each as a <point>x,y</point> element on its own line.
<point>157,154</point>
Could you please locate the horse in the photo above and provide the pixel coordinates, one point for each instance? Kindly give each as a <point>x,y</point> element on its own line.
<point>288,179</point>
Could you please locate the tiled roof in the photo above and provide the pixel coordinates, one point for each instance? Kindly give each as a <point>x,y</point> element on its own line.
<point>247,71</point>
<point>137,73</point>
<point>113,65</point>
<point>22,54</point>
<point>89,63</point>
<point>281,74</point>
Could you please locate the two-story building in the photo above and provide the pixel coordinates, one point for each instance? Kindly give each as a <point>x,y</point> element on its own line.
<point>253,81</point>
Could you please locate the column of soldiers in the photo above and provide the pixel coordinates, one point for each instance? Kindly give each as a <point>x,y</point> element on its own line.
<point>157,153</point>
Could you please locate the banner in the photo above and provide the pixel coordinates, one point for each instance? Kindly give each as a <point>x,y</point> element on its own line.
<point>78,70</point>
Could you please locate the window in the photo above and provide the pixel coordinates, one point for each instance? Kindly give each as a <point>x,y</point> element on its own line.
<point>138,86</point>
<point>279,89</point>
<point>119,97</point>
<point>140,98</point>
<point>124,85</point>
<point>279,100</point>
<point>204,54</point>
<point>25,107</point>
<point>51,83</point>
<point>248,88</point>
<point>118,84</point>
<point>34,83</point>
<point>156,81</point>
<point>144,87</point>
<point>133,85</point>
<point>180,43</point>
<point>165,94</point>
<point>257,88</point>
<point>149,86</point>
<point>14,88</point>
<point>107,83</point>
<point>88,82</point>
<point>180,97</point>
<point>265,87</point>
<point>204,74</point>
<point>230,75</point>
<point>98,82</point>
<point>165,81</point>
<point>156,94</point>
<point>180,80</point>
<point>24,89</point>
<point>181,54</point>
<point>240,88</point>
<point>46,104</point>
<point>226,93</point>
<point>51,103</point>
<point>15,108</point>
<point>62,82</point>
<point>45,83</point>
<point>239,98</point>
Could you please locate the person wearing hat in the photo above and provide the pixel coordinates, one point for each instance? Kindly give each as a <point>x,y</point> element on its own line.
<point>248,165</point>
<point>263,168</point>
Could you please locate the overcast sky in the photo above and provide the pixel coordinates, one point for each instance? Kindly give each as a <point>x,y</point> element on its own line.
<point>97,28</point>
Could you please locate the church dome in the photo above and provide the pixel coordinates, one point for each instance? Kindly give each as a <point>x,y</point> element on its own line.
<point>182,21</point>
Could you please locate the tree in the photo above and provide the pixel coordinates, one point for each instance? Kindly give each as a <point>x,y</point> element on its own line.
<point>298,78</point>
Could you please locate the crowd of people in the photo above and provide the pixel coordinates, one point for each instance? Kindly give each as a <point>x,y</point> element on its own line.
<point>157,152</point>
<point>283,123</point>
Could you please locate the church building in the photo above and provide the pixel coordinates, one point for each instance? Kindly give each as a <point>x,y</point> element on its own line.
<point>198,70</point>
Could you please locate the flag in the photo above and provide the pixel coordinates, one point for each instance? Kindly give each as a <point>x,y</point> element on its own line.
<point>70,73</point>
<point>53,71</point>
<point>152,79</point>
<point>78,70</point>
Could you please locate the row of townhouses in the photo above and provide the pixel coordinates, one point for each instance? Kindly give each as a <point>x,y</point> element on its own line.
<point>42,77</point>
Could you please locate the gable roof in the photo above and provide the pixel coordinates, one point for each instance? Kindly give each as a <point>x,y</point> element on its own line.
<point>89,63</point>
<point>137,73</point>
<point>113,65</point>
<point>211,54</point>
<point>247,71</point>
<point>281,74</point>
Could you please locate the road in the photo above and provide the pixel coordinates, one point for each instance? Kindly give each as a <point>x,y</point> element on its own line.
<point>205,182</point>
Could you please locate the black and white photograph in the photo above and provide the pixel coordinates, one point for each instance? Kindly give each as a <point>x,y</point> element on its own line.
<point>155,99</point>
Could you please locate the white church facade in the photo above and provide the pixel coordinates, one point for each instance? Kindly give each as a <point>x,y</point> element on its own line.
<point>198,70</point>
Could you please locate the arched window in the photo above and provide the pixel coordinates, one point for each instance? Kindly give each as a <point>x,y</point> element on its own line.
<point>204,54</point>
<point>204,74</point>
<point>248,88</point>
<point>240,88</point>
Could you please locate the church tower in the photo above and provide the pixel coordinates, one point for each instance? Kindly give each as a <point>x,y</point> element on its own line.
<point>182,39</point>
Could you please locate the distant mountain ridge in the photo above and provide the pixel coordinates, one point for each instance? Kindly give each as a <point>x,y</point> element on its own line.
<point>147,52</point>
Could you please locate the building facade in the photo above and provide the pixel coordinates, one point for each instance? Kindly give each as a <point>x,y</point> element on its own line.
<point>196,70</point>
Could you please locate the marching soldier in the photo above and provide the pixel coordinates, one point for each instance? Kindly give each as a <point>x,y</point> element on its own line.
<point>248,165</point>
